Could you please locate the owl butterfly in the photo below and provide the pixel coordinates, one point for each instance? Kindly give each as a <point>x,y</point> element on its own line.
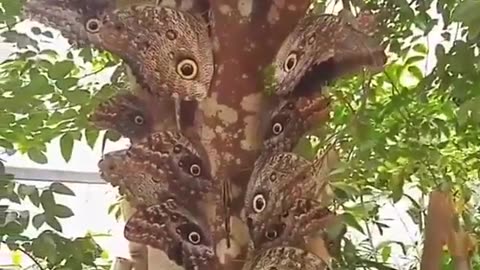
<point>170,227</point>
<point>169,51</point>
<point>322,48</point>
<point>80,20</point>
<point>183,159</point>
<point>133,116</point>
<point>286,258</point>
<point>291,119</point>
<point>275,188</point>
<point>77,20</point>
<point>141,188</point>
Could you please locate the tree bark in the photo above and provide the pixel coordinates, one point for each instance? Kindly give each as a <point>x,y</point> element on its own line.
<point>246,34</point>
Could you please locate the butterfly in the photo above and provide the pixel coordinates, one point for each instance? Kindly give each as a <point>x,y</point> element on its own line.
<point>184,160</point>
<point>182,234</point>
<point>322,48</point>
<point>285,258</point>
<point>284,192</point>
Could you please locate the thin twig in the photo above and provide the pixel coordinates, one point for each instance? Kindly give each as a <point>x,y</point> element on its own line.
<point>28,254</point>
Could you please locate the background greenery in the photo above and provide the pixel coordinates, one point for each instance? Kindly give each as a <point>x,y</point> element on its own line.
<point>403,133</point>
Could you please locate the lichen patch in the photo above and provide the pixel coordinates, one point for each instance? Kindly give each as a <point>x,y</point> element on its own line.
<point>250,133</point>
<point>169,3</point>
<point>225,9</point>
<point>273,15</point>
<point>223,250</point>
<point>186,5</point>
<point>245,7</point>
<point>241,236</point>
<point>252,102</point>
<point>224,113</point>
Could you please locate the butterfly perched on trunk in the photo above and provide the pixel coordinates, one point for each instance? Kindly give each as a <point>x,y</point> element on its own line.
<point>169,51</point>
<point>140,187</point>
<point>133,116</point>
<point>182,234</point>
<point>80,20</point>
<point>284,197</point>
<point>322,48</point>
<point>291,119</point>
<point>285,258</point>
<point>184,158</point>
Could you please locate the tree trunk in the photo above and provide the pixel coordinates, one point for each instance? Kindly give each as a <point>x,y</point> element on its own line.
<point>246,35</point>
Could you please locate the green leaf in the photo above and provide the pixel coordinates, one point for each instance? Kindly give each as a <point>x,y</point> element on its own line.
<point>48,201</point>
<point>66,146</point>
<point>386,253</point>
<point>416,72</point>
<point>60,188</point>
<point>38,220</point>
<point>352,222</point>
<point>78,96</point>
<point>420,48</point>
<point>63,211</point>
<point>44,246</point>
<point>112,135</point>
<point>466,12</point>
<point>91,135</point>
<point>52,221</point>
<point>66,83</point>
<point>37,156</point>
<point>60,69</point>
<point>35,198</point>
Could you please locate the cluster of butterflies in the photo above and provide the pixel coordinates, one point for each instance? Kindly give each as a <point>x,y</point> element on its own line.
<point>165,173</point>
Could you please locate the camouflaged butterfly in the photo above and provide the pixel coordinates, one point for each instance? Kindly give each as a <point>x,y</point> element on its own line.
<point>322,48</point>
<point>77,20</point>
<point>278,188</point>
<point>184,160</point>
<point>291,119</point>
<point>140,187</point>
<point>285,258</point>
<point>133,116</point>
<point>184,236</point>
<point>80,20</point>
<point>169,51</point>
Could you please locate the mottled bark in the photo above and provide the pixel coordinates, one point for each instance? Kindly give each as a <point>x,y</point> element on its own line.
<point>246,34</point>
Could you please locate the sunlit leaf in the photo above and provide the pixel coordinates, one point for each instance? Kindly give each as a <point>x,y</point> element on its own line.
<point>66,146</point>
<point>60,188</point>
<point>37,156</point>
<point>60,69</point>
<point>62,211</point>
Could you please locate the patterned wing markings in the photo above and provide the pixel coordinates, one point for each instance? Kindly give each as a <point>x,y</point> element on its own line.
<point>140,187</point>
<point>322,48</point>
<point>182,235</point>
<point>282,193</point>
<point>285,258</point>
<point>186,160</point>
